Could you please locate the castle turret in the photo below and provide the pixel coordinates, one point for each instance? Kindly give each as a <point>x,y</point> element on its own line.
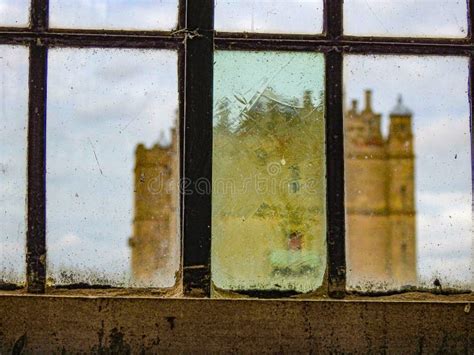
<point>367,241</point>
<point>155,240</point>
<point>401,194</point>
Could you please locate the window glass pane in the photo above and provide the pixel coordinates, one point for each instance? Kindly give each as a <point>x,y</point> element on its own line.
<point>425,18</point>
<point>408,173</point>
<point>112,167</point>
<point>114,14</point>
<point>13,129</point>
<point>273,16</point>
<point>14,12</point>
<point>268,202</point>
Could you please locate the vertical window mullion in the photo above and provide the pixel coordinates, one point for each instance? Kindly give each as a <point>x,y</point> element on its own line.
<point>470,22</point>
<point>197,170</point>
<point>470,19</point>
<point>181,124</point>
<point>471,118</point>
<point>39,15</point>
<point>335,154</point>
<point>36,195</point>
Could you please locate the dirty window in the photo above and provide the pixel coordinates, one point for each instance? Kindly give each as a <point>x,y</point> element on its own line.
<point>14,13</point>
<point>113,210</point>
<point>408,173</point>
<point>409,18</point>
<point>273,16</point>
<point>13,130</point>
<point>268,201</point>
<point>116,14</point>
<point>112,167</point>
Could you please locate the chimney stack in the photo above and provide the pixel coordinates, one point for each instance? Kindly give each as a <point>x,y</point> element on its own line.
<point>368,100</point>
<point>354,105</point>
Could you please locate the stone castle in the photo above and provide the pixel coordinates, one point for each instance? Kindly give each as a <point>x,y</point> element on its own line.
<point>380,241</point>
<point>380,203</point>
<point>269,188</point>
<point>155,242</point>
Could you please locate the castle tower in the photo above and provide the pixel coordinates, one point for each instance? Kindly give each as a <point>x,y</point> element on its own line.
<point>368,228</point>
<point>401,195</point>
<point>155,240</point>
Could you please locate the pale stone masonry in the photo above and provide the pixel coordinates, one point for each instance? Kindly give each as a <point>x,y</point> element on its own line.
<point>155,240</point>
<point>380,201</point>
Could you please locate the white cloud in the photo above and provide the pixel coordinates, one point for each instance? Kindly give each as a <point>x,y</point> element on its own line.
<point>277,16</point>
<point>12,255</point>
<point>444,237</point>
<point>406,18</point>
<point>14,12</point>
<point>444,136</point>
<point>94,126</point>
<point>435,89</point>
<point>68,242</point>
<point>113,14</point>
<point>13,117</point>
<point>72,258</point>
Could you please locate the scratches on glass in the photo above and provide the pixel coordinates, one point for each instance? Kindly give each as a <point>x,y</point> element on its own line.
<point>268,221</point>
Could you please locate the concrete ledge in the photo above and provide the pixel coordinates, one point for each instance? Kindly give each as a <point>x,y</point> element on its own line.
<point>72,324</point>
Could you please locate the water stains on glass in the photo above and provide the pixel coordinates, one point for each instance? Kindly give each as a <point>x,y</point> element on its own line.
<point>115,15</point>
<point>408,173</point>
<point>408,18</point>
<point>15,13</point>
<point>112,168</point>
<point>13,129</point>
<point>268,202</point>
<point>276,16</point>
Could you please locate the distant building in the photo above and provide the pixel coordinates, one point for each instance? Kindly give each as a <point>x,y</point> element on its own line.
<point>269,192</point>
<point>155,241</point>
<point>275,235</point>
<point>380,201</point>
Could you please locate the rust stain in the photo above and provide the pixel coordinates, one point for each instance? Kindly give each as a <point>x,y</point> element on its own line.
<point>19,345</point>
<point>170,321</point>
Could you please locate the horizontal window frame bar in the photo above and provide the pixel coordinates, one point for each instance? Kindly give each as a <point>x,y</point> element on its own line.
<point>56,39</point>
<point>242,36</point>
<point>322,37</point>
<point>346,46</point>
<point>239,41</point>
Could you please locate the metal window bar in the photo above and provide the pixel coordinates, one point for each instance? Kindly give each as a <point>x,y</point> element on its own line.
<point>36,191</point>
<point>470,22</point>
<point>195,83</point>
<point>335,218</point>
<point>197,174</point>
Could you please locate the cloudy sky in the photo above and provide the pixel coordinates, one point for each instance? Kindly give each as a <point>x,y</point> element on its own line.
<point>13,122</point>
<point>101,103</point>
<point>435,89</point>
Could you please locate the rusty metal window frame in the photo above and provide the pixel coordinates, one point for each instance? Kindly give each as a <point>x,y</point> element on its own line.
<point>195,41</point>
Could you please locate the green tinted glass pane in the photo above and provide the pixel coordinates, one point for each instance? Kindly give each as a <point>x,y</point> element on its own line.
<point>268,202</point>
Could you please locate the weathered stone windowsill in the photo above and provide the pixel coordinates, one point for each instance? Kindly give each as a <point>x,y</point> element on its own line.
<point>100,323</point>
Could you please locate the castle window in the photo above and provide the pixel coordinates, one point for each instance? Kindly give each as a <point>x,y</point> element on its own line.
<point>204,148</point>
